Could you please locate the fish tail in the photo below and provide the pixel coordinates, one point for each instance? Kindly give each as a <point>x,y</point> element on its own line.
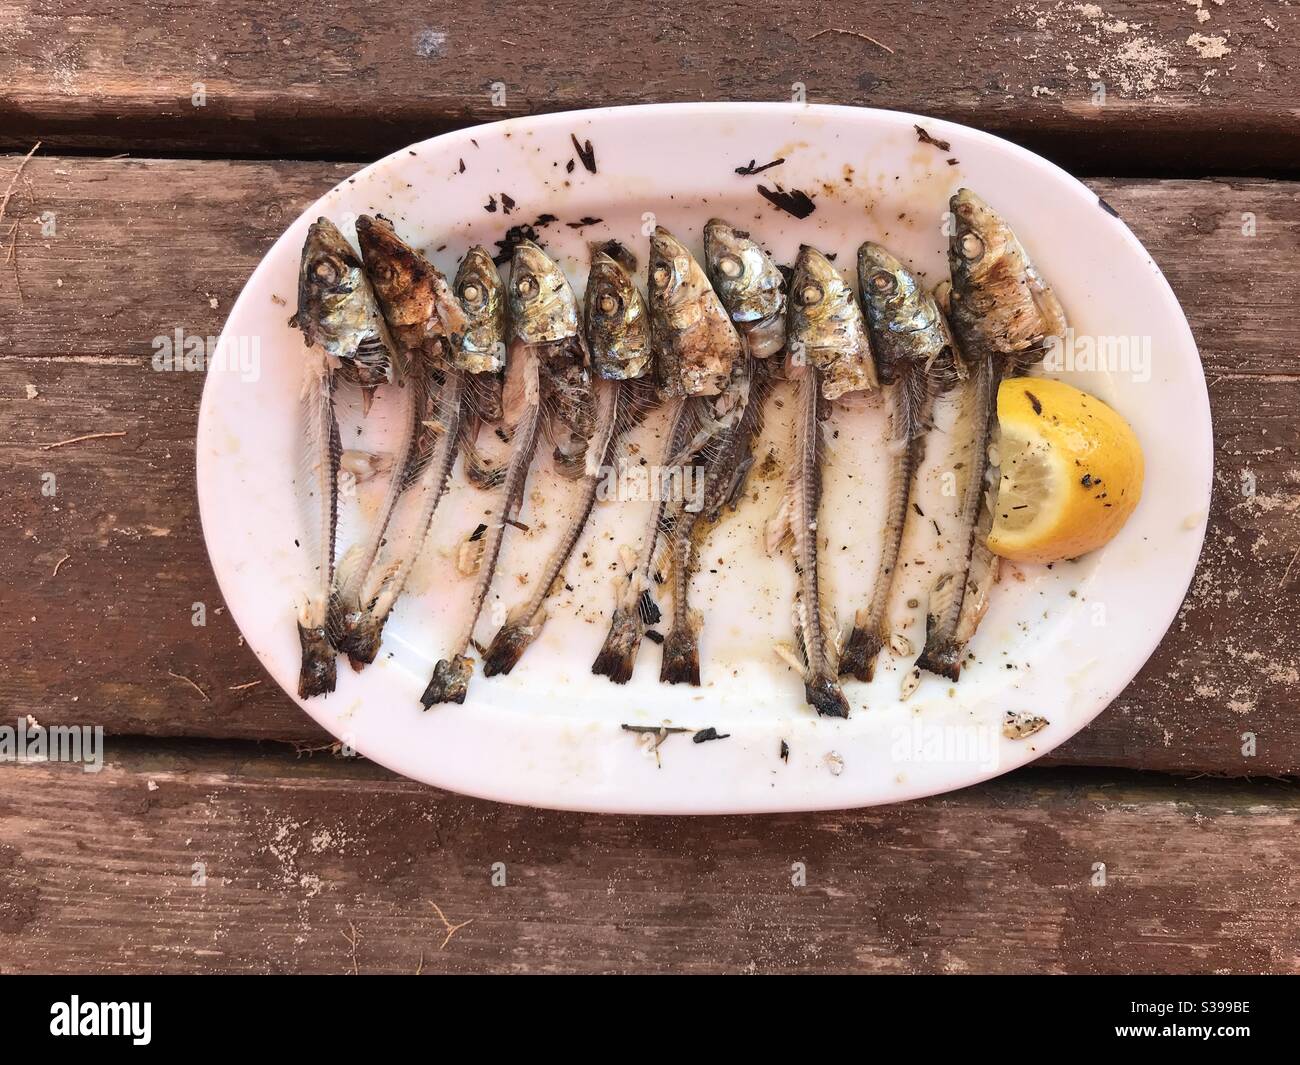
<point>860,653</point>
<point>618,654</point>
<point>681,662</point>
<point>510,642</point>
<point>941,656</point>
<point>317,676</point>
<point>360,639</point>
<point>449,683</point>
<point>824,695</point>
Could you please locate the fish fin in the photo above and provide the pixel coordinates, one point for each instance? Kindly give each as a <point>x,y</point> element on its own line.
<point>617,655</point>
<point>779,529</point>
<point>348,575</point>
<point>681,661</point>
<point>478,471</point>
<point>449,683</point>
<point>823,694</point>
<point>834,638</point>
<point>318,673</point>
<point>361,639</point>
<point>510,642</point>
<point>791,657</point>
<point>939,656</point>
<point>860,653</point>
<point>1045,300</point>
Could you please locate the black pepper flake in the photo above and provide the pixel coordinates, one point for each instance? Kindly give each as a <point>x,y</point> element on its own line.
<point>462,167</point>
<point>586,220</point>
<point>477,534</point>
<point>568,167</point>
<point>1034,402</point>
<point>1086,480</point>
<point>747,171</point>
<point>585,152</point>
<point>795,202</point>
<point>507,202</point>
<point>785,751</point>
<point>545,220</point>
<point>917,507</point>
<point>654,635</point>
<point>491,205</point>
<point>710,733</point>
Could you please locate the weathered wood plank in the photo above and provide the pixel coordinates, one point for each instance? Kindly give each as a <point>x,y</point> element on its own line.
<point>1189,87</point>
<point>303,856</point>
<point>143,247</point>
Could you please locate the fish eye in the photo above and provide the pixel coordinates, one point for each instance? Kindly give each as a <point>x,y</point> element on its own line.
<point>326,270</point>
<point>470,292</point>
<point>810,293</point>
<point>731,266</point>
<point>659,275</point>
<point>971,247</point>
<point>883,282</point>
<point>607,304</point>
<point>526,286</point>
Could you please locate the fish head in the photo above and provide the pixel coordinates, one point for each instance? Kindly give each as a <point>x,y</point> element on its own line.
<point>998,302</point>
<point>618,328</point>
<point>673,276</point>
<point>410,289</point>
<point>482,297</point>
<point>337,308</point>
<point>543,308</point>
<point>744,276</point>
<point>823,312</point>
<point>981,243</point>
<point>692,335</point>
<point>903,319</point>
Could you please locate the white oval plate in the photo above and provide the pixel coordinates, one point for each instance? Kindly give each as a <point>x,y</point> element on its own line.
<point>1059,642</point>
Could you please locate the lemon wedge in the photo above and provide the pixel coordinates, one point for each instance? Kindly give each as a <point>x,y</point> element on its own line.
<point>1071,472</point>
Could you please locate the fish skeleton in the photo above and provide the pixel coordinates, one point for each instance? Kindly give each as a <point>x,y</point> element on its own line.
<point>634,607</point>
<point>697,351</point>
<point>916,360</point>
<point>545,343</point>
<point>482,356</point>
<point>618,340</point>
<point>341,323</point>
<point>725,458</point>
<point>829,356</point>
<point>425,322</point>
<point>1003,315</point>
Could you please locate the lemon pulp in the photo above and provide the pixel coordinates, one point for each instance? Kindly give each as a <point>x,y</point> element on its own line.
<point>1071,472</point>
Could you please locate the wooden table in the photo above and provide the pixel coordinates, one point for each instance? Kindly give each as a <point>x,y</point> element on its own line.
<point>143,212</point>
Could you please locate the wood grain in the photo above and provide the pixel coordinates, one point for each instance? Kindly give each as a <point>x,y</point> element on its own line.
<point>1190,88</point>
<point>301,857</point>
<point>144,247</point>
